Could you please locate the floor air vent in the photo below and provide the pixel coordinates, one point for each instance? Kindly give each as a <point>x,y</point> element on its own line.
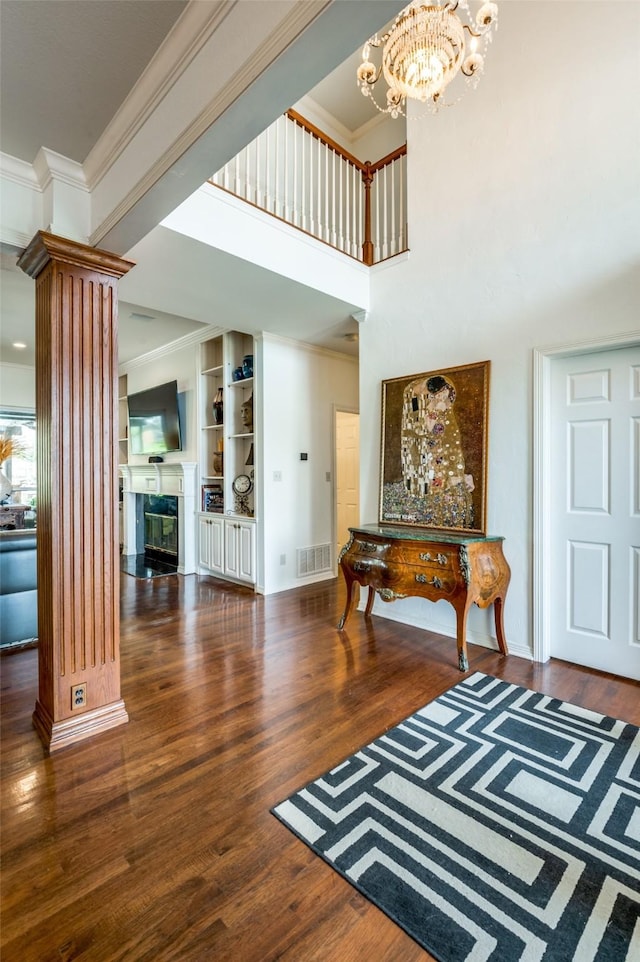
<point>313,560</point>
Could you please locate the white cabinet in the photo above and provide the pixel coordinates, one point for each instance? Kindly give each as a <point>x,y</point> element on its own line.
<point>211,543</point>
<point>227,546</point>
<point>240,549</point>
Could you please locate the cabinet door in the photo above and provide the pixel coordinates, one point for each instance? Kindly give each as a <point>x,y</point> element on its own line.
<point>240,550</point>
<point>217,544</point>
<point>231,557</point>
<point>204,542</point>
<point>210,542</point>
<point>246,551</point>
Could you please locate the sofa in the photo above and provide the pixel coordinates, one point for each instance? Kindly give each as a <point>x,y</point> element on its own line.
<point>18,587</point>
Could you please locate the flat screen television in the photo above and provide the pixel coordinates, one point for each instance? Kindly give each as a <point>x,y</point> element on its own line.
<point>154,420</point>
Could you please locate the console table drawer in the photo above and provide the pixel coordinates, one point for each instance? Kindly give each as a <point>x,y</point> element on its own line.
<point>429,580</point>
<point>432,557</point>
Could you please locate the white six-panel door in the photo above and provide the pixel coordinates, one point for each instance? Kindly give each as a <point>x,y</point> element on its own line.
<point>595,510</point>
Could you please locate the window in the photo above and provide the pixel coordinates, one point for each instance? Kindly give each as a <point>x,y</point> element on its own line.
<point>20,467</point>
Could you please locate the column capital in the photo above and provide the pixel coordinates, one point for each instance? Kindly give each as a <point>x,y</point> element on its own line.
<point>46,247</point>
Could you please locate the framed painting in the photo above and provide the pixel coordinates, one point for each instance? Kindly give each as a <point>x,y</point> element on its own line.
<point>433,471</point>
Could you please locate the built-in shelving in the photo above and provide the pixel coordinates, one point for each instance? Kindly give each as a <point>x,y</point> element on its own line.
<point>227,449</point>
<point>123,420</point>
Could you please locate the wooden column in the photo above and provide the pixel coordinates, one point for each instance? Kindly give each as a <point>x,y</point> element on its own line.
<point>77,427</point>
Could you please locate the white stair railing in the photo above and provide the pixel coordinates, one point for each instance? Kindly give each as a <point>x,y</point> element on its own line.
<point>298,174</point>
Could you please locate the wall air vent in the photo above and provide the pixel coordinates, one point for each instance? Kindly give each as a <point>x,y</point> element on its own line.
<point>313,560</point>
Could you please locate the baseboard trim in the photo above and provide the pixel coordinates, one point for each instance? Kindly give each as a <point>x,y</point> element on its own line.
<point>68,731</point>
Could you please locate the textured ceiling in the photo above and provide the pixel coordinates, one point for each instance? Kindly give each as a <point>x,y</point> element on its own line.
<point>67,66</point>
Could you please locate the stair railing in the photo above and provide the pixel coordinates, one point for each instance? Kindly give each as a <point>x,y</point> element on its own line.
<point>298,174</point>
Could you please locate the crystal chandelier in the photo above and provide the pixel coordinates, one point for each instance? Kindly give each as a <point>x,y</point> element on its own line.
<point>425,49</point>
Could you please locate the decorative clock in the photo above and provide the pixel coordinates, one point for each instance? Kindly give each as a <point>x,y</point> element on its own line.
<point>242,486</point>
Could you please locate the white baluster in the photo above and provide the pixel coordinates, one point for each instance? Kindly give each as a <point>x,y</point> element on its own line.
<point>312,226</point>
<point>267,171</point>
<point>327,234</point>
<point>401,217</point>
<point>285,208</point>
<point>294,206</point>
<point>258,192</point>
<point>385,233</point>
<point>319,198</point>
<point>377,245</point>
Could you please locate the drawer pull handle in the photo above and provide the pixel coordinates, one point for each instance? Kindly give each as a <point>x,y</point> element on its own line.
<point>387,594</point>
<point>440,558</point>
<point>369,547</point>
<point>360,566</point>
<point>423,580</point>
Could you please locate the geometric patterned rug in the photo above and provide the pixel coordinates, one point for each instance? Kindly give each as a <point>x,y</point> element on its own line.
<point>496,824</point>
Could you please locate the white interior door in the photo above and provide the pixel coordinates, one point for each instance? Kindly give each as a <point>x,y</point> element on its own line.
<point>595,507</point>
<point>347,475</point>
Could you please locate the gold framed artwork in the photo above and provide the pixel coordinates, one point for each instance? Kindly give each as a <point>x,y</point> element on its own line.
<point>433,470</point>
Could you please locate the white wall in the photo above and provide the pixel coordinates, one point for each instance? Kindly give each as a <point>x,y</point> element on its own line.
<point>157,368</point>
<point>523,230</point>
<point>301,387</point>
<point>17,387</point>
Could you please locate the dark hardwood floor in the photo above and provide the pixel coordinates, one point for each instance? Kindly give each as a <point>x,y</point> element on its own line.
<point>155,842</point>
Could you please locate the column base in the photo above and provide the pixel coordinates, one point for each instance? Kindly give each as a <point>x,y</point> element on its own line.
<point>60,734</point>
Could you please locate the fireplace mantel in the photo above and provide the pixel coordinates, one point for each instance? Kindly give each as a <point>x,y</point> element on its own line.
<point>177,478</point>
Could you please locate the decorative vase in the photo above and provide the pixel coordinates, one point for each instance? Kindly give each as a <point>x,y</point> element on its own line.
<point>217,407</point>
<point>218,463</point>
<point>247,365</point>
<point>5,486</point>
<point>237,374</point>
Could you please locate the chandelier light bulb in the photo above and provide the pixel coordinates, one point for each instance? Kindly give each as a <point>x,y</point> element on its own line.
<point>427,47</point>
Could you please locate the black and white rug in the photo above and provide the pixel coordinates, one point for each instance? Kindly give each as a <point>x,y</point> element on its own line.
<point>496,824</point>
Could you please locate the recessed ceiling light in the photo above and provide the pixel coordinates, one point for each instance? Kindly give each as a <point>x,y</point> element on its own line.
<point>20,345</point>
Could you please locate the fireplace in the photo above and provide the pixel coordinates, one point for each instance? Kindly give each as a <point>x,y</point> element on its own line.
<point>159,517</point>
<point>158,529</point>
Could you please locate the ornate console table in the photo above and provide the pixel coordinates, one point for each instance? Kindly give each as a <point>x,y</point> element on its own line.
<point>399,562</point>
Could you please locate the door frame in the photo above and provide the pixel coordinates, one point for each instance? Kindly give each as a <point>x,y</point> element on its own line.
<point>337,409</point>
<point>543,359</point>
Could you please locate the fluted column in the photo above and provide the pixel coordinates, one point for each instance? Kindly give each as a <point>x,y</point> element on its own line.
<point>77,423</point>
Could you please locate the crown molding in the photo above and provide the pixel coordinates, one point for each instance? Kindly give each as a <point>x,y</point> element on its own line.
<point>190,33</point>
<point>195,337</point>
<point>312,110</point>
<point>18,172</point>
<point>279,39</point>
<point>268,338</point>
<point>13,242</point>
<point>49,166</point>
<point>20,367</point>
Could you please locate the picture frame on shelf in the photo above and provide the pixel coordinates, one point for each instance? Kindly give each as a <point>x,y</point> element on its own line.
<point>434,449</point>
<point>213,498</point>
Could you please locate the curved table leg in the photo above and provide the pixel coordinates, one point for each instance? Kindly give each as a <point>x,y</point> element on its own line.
<point>370,600</point>
<point>350,603</point>
<point>461,635</point>
<point>498,612</point>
